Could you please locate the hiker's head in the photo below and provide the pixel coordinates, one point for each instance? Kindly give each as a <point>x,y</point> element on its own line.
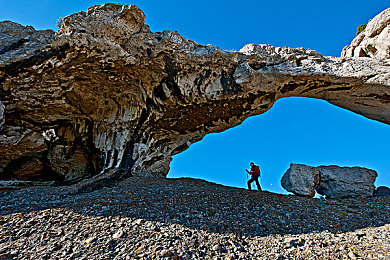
<point>252,164</point>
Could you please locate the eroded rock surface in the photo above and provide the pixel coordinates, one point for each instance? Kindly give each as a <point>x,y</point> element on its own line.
<point>373,41</point>
<point>301,180</point>
<point>20,43</point>
<point>105,94</point>
<point>344,182</point>
<point>332,181</point>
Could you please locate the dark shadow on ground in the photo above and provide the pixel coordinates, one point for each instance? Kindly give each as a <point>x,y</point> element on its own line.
<point>198,204</point>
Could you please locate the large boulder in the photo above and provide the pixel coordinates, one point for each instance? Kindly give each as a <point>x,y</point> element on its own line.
<point>382,191</point>
<point>301,180</point>
<point>332,181</point>
<point>107,95</point>
<point>345,182</point>
<point>373,41</point>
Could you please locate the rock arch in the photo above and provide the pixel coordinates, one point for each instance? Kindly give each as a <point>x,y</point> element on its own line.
<point>105,94</point>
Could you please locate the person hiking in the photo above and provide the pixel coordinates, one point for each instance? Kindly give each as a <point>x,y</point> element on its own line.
<point>255,174</point>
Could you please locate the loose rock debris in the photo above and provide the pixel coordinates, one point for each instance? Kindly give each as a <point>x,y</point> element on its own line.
<point>156,218</point>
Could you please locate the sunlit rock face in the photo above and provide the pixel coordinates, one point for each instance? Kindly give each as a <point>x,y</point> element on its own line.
<point>105,94</point>
<point>332,181</point>
<point>373,41</point>
<point>301,180</point>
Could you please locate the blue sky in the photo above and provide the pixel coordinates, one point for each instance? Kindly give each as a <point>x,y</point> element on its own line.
<point>297,130</point>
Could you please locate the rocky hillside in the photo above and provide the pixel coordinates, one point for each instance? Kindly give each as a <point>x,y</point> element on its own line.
<point>104,94</point>
<point>153,218</point>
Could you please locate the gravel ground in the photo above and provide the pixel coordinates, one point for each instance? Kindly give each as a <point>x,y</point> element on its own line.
<point>145,218</point>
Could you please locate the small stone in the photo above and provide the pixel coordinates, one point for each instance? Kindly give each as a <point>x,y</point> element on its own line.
<point>139,250</point>
<point>166,253</point>
<point>90,240</point>
<point>204,227</point>
<point>118,234</point>
<point>352,255</point>
<point>139,221</point>
<point>216,247</point>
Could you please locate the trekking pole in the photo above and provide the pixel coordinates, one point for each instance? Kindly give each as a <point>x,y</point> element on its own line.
<point>247,176</point>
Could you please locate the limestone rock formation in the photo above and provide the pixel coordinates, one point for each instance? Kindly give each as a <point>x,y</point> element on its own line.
<point>301,180</point>
<point>344,182</point>
<point>332,181</point>
<point>382,191</point>
<point>105,94</point>
<point>373,41</point>
<point>21,43</point>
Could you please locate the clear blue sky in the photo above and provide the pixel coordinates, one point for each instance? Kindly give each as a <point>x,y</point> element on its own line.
<point>295,130</point>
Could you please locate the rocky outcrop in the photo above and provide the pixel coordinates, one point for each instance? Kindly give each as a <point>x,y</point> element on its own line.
<point>301,180</point>
<point>332,181</point>
<point>21,43</point>
<point>373,41</point>
<point>382,191</point>
<point>105,94</point>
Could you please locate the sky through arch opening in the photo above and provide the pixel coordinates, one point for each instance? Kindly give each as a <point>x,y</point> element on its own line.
<point>294,130</point>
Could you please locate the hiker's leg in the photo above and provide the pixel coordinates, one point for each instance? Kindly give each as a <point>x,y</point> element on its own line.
<point>258,184</point>
<point>249,183</point>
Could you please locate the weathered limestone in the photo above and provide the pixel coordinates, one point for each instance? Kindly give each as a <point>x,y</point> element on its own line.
<point>344,182</point>
<point>373,41</point>
<point>18,42</point>
<point>301,180</point>
<point>105,94</point>
<point>332,181</point>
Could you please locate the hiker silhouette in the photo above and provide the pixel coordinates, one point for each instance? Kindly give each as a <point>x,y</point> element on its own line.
<point>255,174</point>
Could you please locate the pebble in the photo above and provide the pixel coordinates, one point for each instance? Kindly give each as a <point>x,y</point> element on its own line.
<point>166,253</point>
<point>118,234</point>
<point>90,240</point>
<point>216,247</point>
<point>352,255</point>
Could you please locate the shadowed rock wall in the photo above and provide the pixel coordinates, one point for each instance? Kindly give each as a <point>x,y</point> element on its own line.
<point>105,94</point>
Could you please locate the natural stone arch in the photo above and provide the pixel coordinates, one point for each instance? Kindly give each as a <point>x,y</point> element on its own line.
<point>105,94</point>
<point>295,130</point>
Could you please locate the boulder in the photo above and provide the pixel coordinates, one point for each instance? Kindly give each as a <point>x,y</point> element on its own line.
<point>332,181</point>
<point>373,41</point>
<point>382,191</point>
<point>345,182</point>
<point>107,95</point>
<point>301,180</point>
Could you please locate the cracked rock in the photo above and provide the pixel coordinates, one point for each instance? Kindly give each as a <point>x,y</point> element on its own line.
<point>112,98</point>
